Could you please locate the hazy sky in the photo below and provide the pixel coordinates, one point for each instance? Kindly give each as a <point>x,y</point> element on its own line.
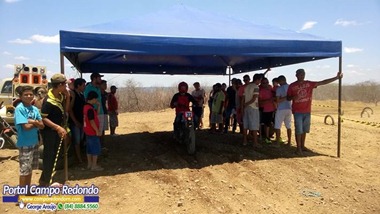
<point>29,32</point>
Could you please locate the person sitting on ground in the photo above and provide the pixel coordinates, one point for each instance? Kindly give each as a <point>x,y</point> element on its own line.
<point>92,131</point>
<point>28,120</point>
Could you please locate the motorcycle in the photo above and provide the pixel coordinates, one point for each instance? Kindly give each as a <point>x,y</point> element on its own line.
<point>184,131</point>
<point>7,132</point>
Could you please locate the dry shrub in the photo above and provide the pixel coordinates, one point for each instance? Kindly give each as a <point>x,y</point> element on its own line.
<point>134,98</point>
<point>368,92</point>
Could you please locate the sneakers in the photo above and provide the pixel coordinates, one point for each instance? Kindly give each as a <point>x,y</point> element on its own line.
<point>267,141</point>
<point>114,135</point>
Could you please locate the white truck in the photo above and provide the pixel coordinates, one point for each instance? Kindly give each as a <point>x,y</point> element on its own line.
<point>23,75</point>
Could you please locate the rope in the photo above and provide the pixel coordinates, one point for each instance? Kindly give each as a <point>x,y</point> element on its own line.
<point>56,160</point>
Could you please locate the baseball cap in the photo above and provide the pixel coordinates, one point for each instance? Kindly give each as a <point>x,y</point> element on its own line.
<point>58,78</point>
<point>95,75</point>
<point>113,87</point>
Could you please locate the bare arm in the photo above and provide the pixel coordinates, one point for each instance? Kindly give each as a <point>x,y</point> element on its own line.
<point>252,100</point>
<point>61,131</point>
<point>33,124</point>
<point>266,71</point>
<point>330,80</point>
<point>93,125</point>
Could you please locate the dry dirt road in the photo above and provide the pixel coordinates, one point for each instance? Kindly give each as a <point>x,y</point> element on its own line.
<point>146,172</point>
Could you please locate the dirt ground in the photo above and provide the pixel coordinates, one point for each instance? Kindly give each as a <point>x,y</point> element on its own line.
<point>147,172</point>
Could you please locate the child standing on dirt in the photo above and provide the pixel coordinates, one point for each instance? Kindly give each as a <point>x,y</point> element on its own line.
<point>27,120</point>
<point>92,131</point>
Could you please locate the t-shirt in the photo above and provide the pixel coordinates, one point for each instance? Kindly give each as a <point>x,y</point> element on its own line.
<point>89,114</point>
<point>77,109</point>
<point>183,102</point>
<point>250,90</point>
<point>219,97</point>
<point>239,94</point>
<point>112,103</point>
<point>302,92</point>
<point>265,94</point>
<point>231,96</point>
<point>22,114</point>
<point>282,92</point>
<point>53,113</point>
<point>91,87</point>
<point>199,96</point>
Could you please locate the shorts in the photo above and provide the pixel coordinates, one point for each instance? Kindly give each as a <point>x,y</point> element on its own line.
<point>198,111</point>
<point>302,123</point>
<point>285,116</point>
<point>251,119</point>
<point>216,118</point>
<point>114,120</point>
<point>77,134</point>
<point>267,118</point>
<point>92,145</point>
<point>28,159</point>
<point>103,122</point>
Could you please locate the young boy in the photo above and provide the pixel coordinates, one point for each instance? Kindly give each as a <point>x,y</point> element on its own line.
<point>91,129</point>
<point>27,120</point>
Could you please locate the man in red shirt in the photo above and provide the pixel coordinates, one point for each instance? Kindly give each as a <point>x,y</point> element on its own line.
<point>113,111</point>
<point>300,92</point>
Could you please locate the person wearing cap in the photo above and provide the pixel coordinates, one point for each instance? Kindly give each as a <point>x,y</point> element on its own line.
<point>54,115</point>
<point>113,110</point>
<point>300,93</point>
<point>94,85</point>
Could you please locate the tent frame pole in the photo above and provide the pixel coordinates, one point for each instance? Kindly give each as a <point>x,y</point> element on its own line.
<point>65,161</point>
<point>229,75</point>
<point>339,107</point>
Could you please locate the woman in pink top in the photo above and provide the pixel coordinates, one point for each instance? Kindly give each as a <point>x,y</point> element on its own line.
<point>267,106</point>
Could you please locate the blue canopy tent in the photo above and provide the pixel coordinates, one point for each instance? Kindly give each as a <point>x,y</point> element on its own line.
<point>183,40</point>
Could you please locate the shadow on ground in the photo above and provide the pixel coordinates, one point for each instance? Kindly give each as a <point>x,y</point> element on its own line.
<point>154,151</point>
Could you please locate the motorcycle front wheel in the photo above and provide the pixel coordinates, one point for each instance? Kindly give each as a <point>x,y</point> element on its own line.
<point>190,145</point>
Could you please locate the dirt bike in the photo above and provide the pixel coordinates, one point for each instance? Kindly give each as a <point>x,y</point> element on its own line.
<point>7,132</point>
<point>184,131</point>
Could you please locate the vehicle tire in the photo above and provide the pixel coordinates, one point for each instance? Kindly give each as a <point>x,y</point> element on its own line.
<point>190,145</point>
<point>12,140</point>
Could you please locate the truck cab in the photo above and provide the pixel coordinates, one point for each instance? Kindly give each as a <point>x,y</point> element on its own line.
<point>23,75</point>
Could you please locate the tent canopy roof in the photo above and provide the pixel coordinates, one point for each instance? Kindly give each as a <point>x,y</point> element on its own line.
<point>184,40</point>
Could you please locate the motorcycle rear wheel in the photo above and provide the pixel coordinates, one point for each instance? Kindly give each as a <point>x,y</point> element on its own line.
<point>190,145</point>
<point>12,140</point>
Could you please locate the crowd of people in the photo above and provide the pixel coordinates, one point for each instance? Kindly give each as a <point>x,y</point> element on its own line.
<point>257,107</point>
<point>79,113</point>
<point>71,110</point>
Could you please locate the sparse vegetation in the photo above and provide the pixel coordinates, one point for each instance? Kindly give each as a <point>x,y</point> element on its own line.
<point>367,92</point>
<point>135,98</point>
